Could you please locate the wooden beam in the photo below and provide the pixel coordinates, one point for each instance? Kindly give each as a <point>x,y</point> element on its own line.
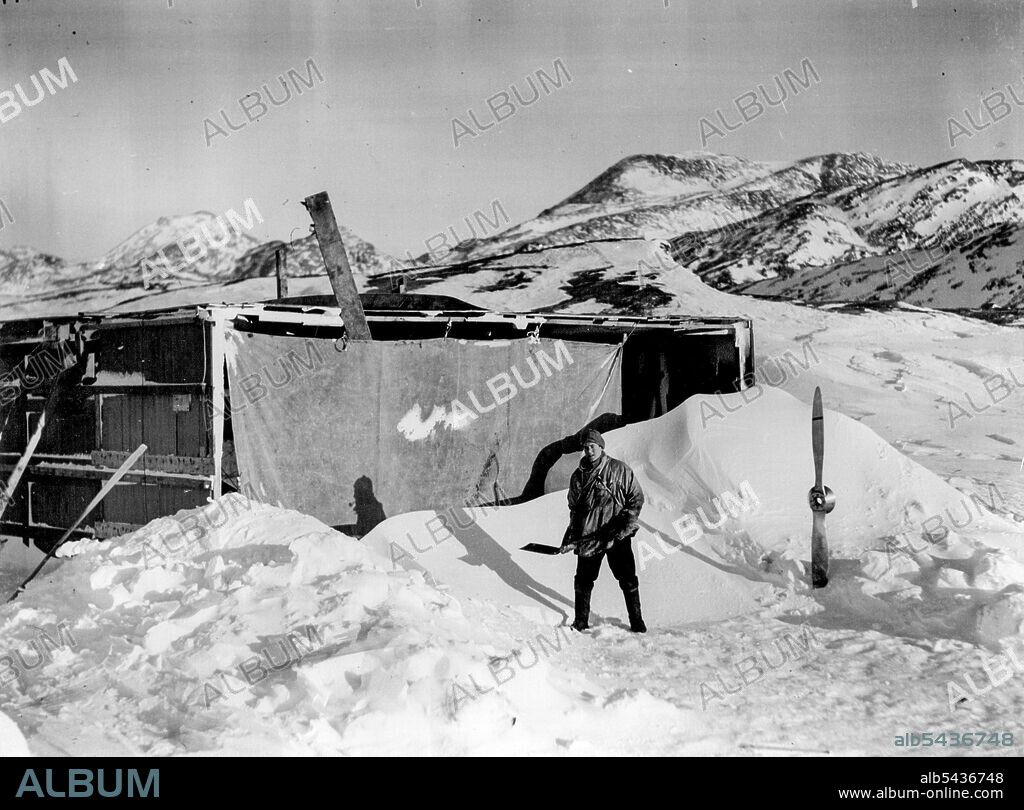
<point>218,397</point>
<point>325,226</point>
<point>55,473</point>
<point>109,485</point>
<point>19,469</point>
<point>196,389</point>
<point>7,417</point>
<point>282,274</point>
<point>46,534</point>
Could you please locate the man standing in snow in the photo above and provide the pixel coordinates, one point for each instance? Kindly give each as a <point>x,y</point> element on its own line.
<point>604,510</point>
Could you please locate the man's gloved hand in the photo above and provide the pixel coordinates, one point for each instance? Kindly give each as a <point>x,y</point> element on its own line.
<point>625,525</point>
<point>568,541</point>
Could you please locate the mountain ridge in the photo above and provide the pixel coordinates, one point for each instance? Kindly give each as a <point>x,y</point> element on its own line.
<point>838,226</point>
<point>754,226</point>
<point>175,251</point>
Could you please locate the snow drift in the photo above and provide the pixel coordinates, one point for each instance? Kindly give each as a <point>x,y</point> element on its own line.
<point>726,525</point>
<point>246,629</point>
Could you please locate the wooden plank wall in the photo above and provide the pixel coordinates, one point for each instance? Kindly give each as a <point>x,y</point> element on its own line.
<point>151,385</point>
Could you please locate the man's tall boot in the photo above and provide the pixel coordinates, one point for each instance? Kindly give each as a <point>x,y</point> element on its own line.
<point>582,621</point>
<point>636,621</point>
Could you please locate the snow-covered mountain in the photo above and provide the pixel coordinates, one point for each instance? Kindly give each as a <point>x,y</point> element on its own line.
<point>666,196</point>
<point>976,272</point>
<point>836,227</point>
<point>831,223</point>
<point>173,253</point>
<point>303,258</point>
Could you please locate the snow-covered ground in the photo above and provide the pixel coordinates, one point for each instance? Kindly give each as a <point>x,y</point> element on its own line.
<point>423,639</point>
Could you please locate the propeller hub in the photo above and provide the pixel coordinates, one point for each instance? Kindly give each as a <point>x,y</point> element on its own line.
<point>821,499</point>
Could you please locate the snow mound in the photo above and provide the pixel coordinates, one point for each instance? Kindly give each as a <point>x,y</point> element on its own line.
<point>12,743</point>
<point>242,628</point>
<point>725,530</point>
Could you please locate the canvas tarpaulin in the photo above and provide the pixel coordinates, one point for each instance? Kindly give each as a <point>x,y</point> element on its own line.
<point>379,428</point>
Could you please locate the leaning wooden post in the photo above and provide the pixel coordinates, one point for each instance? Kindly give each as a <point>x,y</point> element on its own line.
<point>19,469</point>
<point>282,274</point>
<point>325,226</point>
<point>109,485</point>
<point>3,427</point>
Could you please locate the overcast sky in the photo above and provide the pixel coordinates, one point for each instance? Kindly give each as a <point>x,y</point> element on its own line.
<point>125,144</point>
